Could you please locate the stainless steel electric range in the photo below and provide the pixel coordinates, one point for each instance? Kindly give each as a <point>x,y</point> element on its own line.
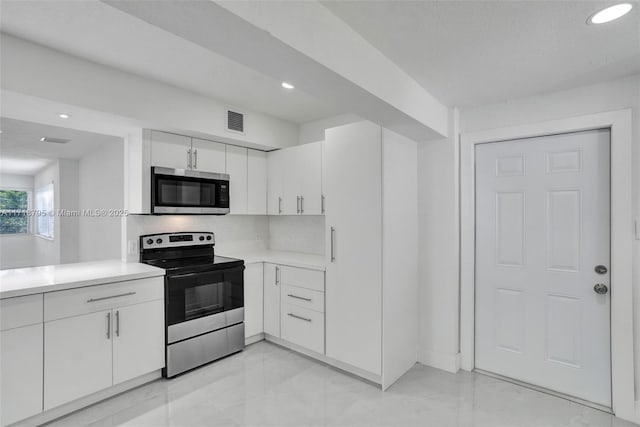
<point>204,298</point>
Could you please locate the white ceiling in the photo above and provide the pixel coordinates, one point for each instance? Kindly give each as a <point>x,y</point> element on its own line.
<point>24,154</point>
<point>96,31</point>
<point>469,53</point>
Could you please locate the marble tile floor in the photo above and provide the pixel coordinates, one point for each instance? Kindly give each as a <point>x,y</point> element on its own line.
<point>267,385</point>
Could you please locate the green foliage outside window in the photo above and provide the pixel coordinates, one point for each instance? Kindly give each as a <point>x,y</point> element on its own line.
<point>13,211</point>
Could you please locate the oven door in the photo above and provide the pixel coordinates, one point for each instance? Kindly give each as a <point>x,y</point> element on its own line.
<point>180,191</point>
<point>202,302</point>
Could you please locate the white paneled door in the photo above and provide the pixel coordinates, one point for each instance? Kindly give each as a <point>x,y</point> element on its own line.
<point>542,231</point>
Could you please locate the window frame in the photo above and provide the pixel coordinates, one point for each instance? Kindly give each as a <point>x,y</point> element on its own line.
<point>30,225</point>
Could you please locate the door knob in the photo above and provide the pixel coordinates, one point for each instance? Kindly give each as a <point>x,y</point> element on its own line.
<point>601,288</point>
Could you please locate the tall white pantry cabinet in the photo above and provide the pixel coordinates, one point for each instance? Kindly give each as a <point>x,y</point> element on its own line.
<point>370,186</point>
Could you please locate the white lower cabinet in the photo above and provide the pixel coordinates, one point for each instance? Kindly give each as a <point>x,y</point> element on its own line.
<point>138,340</point>
<point>294,305</point>
<point>303,327</point>
<point>20,373</point>
<point>77,357</point>
<point>272,299</point>
<point>99,336</point>
<point>253,300</point>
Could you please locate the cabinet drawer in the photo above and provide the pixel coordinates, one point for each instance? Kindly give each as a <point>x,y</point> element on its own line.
<point>91,299</point>
<point>303,297</point>
<point>301,277</point>
<point>20,311</point>
<point>303,327</point>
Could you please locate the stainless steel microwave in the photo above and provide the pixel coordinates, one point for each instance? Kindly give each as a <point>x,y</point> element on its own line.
<point>183,191</point>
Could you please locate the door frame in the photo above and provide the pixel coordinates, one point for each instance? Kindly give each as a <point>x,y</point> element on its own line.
<point>620,123</point>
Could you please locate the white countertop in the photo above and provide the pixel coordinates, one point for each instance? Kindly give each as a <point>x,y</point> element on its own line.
<point>35,280</point>
<point>293,259</point>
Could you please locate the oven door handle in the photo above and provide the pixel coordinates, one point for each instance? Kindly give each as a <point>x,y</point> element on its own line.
<point>180,276</point>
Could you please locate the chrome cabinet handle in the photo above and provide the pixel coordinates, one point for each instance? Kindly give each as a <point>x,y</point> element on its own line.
<point>195,161</point>
<point>299,317</point>
<point>108,325</point>
<point>297,297</point>
<point>117,323</point>
<point>298,204</point>
<point>322,203</point>
<point>333,242</point>
<point>112,296</point>
<point>189,158</point>
<point>301,204</point>
<point>277,275</point>
<point>279,205</point>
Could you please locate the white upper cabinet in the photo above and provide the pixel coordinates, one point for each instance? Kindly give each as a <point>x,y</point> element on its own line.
<point>208,156</point>
<point>275,182</point>
<point>310,169</point>
<point>170,151</point>
<point>295,180</point>
<point>256,182</point>
<point>182,152</point>
<point>237,170</point>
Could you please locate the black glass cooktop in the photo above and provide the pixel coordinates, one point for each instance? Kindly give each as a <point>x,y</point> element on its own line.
<point>193,265</point>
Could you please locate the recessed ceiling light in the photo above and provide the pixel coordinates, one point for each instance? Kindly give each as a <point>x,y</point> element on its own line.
<point>64,115</point>
<point>287,85</point>
<point>54,140</point>
<point>609,14</point>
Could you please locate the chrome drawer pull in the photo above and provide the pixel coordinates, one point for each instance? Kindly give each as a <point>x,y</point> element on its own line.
<point>298,317</point>
<point>297,297</point>
<point>109,325</point>
<point>112,296</point>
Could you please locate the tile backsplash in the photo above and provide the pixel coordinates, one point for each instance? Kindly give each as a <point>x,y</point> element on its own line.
<point>233,232</point>
<point>297,233</point>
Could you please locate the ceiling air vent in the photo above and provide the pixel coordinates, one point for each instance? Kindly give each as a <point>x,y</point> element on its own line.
<point>54,140</point>
<point>235,121</point>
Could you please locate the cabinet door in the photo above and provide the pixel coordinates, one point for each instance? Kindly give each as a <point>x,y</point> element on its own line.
<point>138,340</point>
<point>77,357</point>
<point>275,181</point>
<point>237,170</point>
<point>257,182</point>
<point>20,373</point>
<point>169,150</point>
<point>292,180</point>
<point>353,299</point>
<point>253,300</point>
<point>208,156</point>
<point>309,160</point>
<point>272,299</point>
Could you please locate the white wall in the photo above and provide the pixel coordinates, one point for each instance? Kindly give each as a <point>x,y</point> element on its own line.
<point>17,251</point>
<point>68,201</point>
<point>297,233</point>
<point>47,251</point>
<point>606,96</point>
<point>438,251</point>
<point>233,232</point>
<point>100,186</point>
<point>32,69</point>
<point>314,131</point>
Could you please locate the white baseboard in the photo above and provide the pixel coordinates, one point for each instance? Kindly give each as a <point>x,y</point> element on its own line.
<point>444,361</point>
<point>67,408</point>
<point>254,339</point>
<point>373,378</point>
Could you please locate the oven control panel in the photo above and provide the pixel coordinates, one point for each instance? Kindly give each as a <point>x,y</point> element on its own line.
<point>171,240</point>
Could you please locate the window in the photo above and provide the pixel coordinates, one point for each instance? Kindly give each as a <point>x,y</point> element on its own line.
<point>44,211</point>
<point>13,208</point>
